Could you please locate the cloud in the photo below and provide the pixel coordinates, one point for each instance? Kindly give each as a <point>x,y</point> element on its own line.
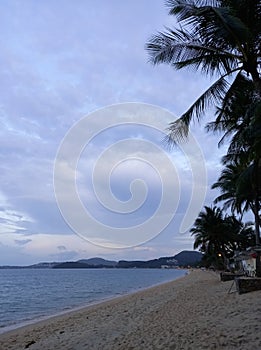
<point>57,65</point>
<point>12,220</point>
<point>22,241</point>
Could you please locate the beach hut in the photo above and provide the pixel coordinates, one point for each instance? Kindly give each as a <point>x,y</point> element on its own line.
<point>246,262</point>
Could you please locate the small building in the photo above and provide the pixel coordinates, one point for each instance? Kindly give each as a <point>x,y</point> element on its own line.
<point>246,262</point>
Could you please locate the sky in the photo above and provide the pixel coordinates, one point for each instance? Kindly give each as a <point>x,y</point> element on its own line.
<point>84,169</point>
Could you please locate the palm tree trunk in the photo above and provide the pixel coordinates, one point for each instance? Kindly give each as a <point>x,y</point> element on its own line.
<point>257,217</point>
<point>257,232</point>
<point>257,222</point>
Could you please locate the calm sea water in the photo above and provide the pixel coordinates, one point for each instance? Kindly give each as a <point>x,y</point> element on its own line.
<point>34,293</point>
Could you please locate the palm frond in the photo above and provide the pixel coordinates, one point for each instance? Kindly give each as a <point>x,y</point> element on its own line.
<point>235,114</point>
<point>178,130</point>
<point>182,49</point>
<point>211,21</point>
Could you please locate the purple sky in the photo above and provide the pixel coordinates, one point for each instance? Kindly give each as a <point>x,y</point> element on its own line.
<point>60,61</point>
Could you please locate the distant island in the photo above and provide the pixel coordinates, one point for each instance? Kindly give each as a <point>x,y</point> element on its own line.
<point>183,259</point>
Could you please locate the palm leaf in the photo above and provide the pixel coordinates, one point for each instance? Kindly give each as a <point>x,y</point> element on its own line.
<point>182,49</point>
<point>211,21</point>
<point>178,130</point>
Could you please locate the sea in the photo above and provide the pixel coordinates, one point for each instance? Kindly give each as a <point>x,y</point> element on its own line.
<point>29,295</point>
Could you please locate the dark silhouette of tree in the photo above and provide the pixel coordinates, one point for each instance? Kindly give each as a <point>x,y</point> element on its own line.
<point>217,236</point>
<point>219,38</point>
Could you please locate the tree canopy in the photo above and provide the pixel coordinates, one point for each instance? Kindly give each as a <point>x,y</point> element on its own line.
<point>221,39</point>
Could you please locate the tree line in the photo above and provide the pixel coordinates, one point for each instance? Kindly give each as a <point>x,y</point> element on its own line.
<point>221,39</point>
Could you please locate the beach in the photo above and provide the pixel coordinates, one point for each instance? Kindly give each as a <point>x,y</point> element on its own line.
<point>194,312</point>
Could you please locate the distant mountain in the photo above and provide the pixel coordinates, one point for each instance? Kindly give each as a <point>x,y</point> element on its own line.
<point>184,258</point>
<point>98,261</point>
<point>187,257</point>
<point>73,265</point>
<point>86,264</point>
<point>43,265</point>
<point>155,263</point>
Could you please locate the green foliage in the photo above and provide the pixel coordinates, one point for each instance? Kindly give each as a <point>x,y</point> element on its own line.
<point>217,38</point>
<point>218,236</point>
<point>221,39</point>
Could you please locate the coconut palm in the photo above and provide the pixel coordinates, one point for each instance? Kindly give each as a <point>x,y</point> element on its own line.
<point>212,236</point>
<point>221,38</point>
<point>227,183</point>
<point>239,191</point>
<point>243,232</point>
<point>239,119</point>
<point>218,236</point>
<point>218,37</point>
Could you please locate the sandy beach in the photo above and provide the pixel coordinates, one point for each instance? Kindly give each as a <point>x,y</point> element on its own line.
<point>193,312</point>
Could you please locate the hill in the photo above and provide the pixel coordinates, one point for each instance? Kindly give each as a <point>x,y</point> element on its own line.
<point>98,261</point>
<point>184,258</point>
<point>187,257</point>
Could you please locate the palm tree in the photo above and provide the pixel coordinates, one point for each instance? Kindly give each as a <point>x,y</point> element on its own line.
<point>221,38</point>
<point>242,232</point>
<point>237,183</point>
<point>228,185</point>
<point>239,118</point>
<point>218,236</point>
<point>212,236</point>
<point>218,37</point>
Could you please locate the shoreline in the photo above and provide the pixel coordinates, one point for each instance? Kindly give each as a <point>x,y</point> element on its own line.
<point>192,312</point>
<point>70,310</point>
<point>64,312</point>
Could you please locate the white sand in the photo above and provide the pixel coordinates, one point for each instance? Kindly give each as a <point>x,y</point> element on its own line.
<point>194,312</point>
